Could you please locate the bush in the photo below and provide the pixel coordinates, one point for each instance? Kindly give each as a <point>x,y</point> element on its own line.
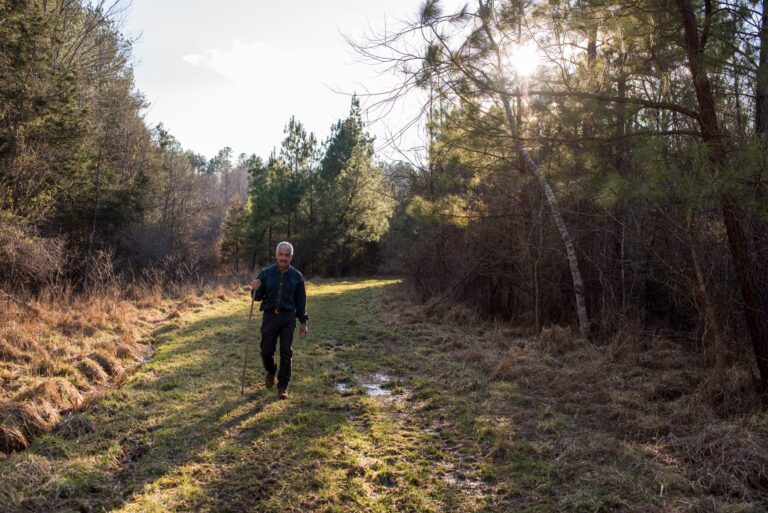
<point>26,259</point>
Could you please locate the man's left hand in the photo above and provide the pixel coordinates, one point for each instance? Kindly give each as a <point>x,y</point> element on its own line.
<point>303,330</point>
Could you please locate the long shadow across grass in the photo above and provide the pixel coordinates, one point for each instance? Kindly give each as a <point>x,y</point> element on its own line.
<point>167,413</point>
<point>303,454</point>
<point>179,417</point>
<point>337,450</point>
<point>178,436</point>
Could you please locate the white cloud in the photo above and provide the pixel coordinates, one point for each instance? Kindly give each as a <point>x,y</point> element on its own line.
<point>238,63</point>
<point>195,59</point>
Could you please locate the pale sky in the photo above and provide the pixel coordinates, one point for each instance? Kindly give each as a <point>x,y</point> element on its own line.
<point>232,72</point>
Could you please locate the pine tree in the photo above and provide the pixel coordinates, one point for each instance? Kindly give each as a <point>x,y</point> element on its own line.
<point>234,233</point>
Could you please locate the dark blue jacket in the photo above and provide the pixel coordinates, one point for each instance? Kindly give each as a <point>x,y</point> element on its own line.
<point>284,289</point>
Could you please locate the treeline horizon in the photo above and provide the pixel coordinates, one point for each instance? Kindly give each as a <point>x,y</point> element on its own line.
<point>333,202</point>
<point>90,194</point>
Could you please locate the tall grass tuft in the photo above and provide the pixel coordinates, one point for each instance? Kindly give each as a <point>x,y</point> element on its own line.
<point>59,347</point>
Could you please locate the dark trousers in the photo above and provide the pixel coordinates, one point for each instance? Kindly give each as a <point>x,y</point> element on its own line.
<point>276,326</point>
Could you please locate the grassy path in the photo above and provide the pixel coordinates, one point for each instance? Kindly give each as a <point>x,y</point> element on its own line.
<point>382,418</point>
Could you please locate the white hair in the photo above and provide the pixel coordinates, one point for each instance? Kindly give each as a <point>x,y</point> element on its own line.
<point>284,244</point>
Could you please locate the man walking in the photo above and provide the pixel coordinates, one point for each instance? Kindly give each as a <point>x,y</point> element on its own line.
<point>280,288</point>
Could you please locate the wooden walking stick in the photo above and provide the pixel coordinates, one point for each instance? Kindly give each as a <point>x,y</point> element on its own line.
<point>245,356</point>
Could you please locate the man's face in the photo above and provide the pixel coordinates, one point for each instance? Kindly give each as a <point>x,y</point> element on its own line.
<point>283,258</point>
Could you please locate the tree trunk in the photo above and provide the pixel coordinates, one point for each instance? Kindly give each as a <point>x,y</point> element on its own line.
<point>761,87</point>
<point>710,314</point>
<point>311,202</point>
<point>89,261</point>
<point>255,251</point>
<point>252,260</point>
<point>578,284</point>
<point>573,261</point>
<point>622,166</point>
<point>237,258</point>
<point>755,311</point>
<point>336,262</point>
<point>588,126</point>
<point>760,227</point>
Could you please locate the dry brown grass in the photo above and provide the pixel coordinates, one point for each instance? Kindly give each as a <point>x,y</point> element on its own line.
<point>110,363</point>
<point>56,351</point>
<point>20,422</point>
<point>9,353</point>
<point>651,394</point>
<point>727,459</point>
<point>36,410</point>
<point>732,393</point>
<point>458,314</point>
<point>195,298</point>
<point>58,392</point>
<point>557,339</point>
<point>92,371</point>
<point>147,295</point>
<point>127,348</point>
<point>522,365</point>
<point>75,425</point>
<point>220,293</point>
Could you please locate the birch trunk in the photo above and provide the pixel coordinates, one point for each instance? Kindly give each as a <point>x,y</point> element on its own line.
<point>573,261</point>
<point>578,284</point>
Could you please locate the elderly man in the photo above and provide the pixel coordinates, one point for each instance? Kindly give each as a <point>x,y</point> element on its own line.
<point>280,288</point>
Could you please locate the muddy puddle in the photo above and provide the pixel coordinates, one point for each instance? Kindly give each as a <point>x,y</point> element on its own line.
<point>377,384</point>
<point>373,385</point>
<point>463,482</point>
<point>343,387</point>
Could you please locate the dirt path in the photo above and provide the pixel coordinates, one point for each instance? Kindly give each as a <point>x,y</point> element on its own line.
<point>387,414</point>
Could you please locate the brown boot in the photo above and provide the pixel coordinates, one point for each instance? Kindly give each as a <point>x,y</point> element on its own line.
<point>282,393</point>
<point>269,380</point>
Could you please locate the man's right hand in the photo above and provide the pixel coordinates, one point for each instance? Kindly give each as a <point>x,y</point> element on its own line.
<point>255,284</point>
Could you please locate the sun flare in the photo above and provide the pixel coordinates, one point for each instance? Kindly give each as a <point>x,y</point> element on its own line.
<point>525,58</point>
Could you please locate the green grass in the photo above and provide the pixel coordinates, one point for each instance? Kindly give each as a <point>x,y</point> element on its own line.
<point>179,437</point>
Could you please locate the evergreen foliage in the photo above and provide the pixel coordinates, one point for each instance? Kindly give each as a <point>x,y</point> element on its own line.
<point>79,169</point>
<point>644,119</point>
<point>334,204</point>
